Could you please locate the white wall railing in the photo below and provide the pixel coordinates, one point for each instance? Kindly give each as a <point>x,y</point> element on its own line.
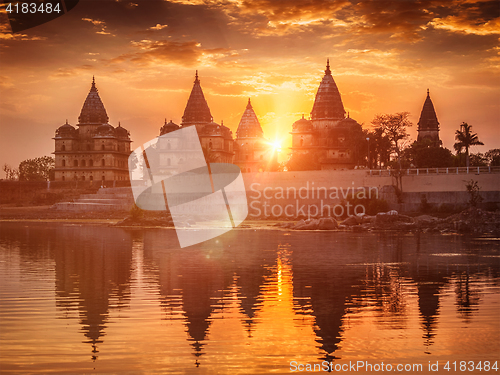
<point>434,171</point>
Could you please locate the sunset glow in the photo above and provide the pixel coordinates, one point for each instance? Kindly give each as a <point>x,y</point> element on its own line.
<point>383,55</point>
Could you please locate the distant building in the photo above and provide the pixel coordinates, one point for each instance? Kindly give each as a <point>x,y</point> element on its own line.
<point>95,150</point>
<point>216,139</point>
<point>254,153</point>
<point>325,141</point>
<point>428,125</point>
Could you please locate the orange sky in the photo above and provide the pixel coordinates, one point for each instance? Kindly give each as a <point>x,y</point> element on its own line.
<point>383,56</point>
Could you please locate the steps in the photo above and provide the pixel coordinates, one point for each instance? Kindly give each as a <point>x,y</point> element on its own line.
<point>106,199</point>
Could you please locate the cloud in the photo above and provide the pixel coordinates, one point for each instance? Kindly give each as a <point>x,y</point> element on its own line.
<point>65,72</point>
<point>158,27</point>
<point>166,51</point>
<point>98,24</point>
<point>464,25</point>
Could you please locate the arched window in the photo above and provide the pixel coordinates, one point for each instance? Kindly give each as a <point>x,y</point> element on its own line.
<point>103,163</point>
<point>168,146</point>
<point>210,145</point>
<point>63,178</point>
<point>91,178</point>
<point>103,177</point>
<point>91,163</point>
<point>168,161</point>
<point>83,178</point>
<point>83,163</point>
<point>63,147</point>
<point>75,163</point>
<point>103,147</point>
<point>88,147</point>
<point>301,142</point>
<point>64,163</point>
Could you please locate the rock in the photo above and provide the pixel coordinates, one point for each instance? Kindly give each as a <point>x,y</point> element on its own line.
<point>425,219</point>
<point>367,219</point>
<point>405,219</point>
<point>351,220</point>
<point>384,218</point>
<point>327,223</point>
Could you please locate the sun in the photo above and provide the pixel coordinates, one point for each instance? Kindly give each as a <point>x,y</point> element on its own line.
<point>276,146</point>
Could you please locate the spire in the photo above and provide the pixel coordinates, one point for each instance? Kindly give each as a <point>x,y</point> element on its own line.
<point>328,71</point>
<point>93,111</point>
<point>428,125</point>
<point>328,103</point>
<point>249,126</point>
<point>428,119</point>
<point>197,110</point>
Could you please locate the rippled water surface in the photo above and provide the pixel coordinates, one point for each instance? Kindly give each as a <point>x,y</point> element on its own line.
<point>93,299</point>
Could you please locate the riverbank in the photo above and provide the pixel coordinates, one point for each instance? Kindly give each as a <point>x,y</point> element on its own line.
<point>471,221</point>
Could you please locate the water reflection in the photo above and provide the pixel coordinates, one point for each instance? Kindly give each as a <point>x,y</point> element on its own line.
<point>93,269</point>
<point>333,285</point>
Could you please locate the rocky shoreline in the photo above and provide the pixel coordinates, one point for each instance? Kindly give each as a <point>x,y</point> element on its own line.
<point>471,221</point>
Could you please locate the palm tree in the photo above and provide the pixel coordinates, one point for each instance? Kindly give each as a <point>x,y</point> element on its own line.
<point>464,139</point>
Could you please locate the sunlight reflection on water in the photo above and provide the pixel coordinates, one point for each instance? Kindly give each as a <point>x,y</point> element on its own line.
<point>79,298</point>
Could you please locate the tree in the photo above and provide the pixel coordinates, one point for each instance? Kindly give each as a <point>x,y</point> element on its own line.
<point>478,160</point>
<point>465,138</point>
<point>10,173</point>
<point>395,128</point>
<point>493,157</point>
<point>380,148</point>
<point>425,154</point>
<point>38,169</point>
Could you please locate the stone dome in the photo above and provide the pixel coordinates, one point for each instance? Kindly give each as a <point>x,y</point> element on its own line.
<point>105,130</point>
<point>168,127</point>
<point>122,132</point>
<point>214,129</point>
<point>302,125</point>
<point>347,123</point>
<point>66,131</point>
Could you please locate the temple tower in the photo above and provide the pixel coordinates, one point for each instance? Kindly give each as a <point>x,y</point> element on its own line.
<point>253,152</point>
<point>428,125</point>
<point>94,151</point>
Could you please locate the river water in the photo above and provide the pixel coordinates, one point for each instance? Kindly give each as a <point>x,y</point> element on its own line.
<point>95,299</point>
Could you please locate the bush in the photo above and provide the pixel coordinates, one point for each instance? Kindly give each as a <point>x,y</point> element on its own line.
<point>136,212</point>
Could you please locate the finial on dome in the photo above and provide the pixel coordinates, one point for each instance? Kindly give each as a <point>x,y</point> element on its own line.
<point>348,115</point>
<point>93,83</point>
<point>249,105</point>
<point>119,124</point>
<point>222,122</point>
<point>165,121</point>
<point>428,92</point>
<point>302,116</point>
<point>328,71</point>
<point>196,80</point>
